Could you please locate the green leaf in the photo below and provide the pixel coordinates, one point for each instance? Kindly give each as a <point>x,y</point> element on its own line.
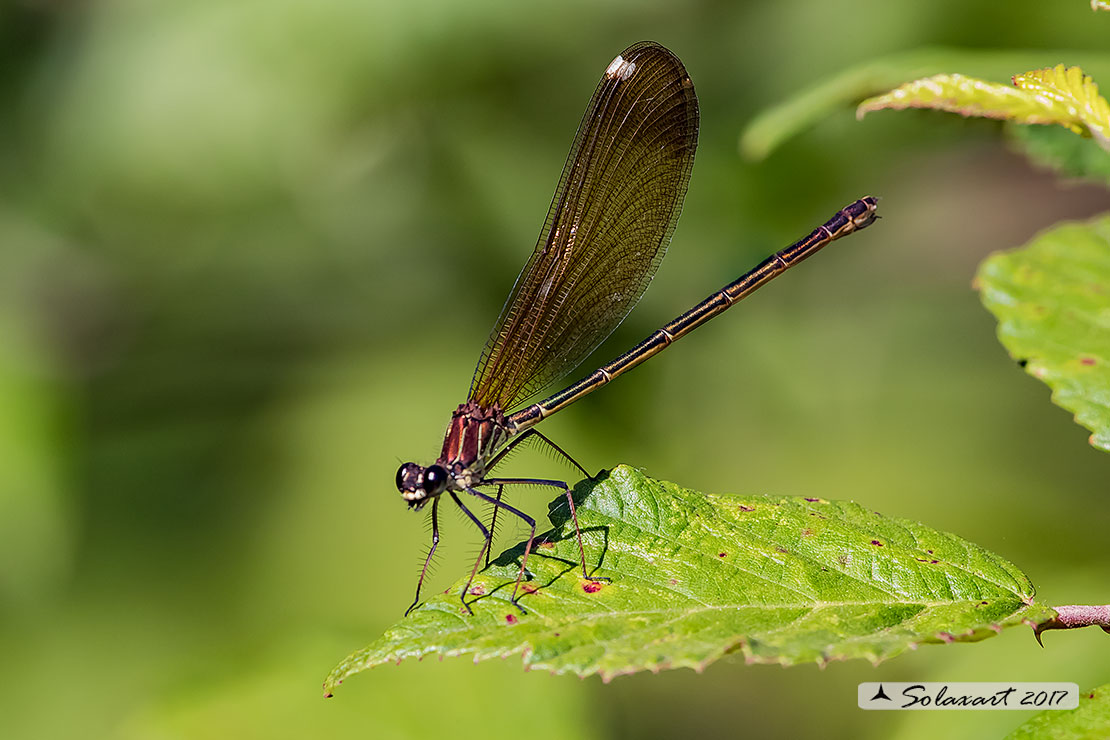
<point>696,577</point>
<point>1090,720</point>
<point>1052,301</point>
<point>1060,150</point>
<point>772,127</point>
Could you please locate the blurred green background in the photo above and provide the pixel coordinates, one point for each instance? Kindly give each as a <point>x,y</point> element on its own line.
<point>250,250</point>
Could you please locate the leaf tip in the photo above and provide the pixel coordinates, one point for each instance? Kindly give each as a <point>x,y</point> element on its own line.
<point>330,685</point>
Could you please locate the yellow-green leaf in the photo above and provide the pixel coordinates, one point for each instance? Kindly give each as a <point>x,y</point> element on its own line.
<point>1073,94</point>
<point>844,89</point>
<point>1054,95</point>
<point>968,96</point>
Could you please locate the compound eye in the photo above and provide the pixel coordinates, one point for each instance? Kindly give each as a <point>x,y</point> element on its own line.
<point>407,475</point>
<point>435,480</point>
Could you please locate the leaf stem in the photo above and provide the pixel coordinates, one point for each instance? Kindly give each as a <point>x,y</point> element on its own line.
<point>1074,617</point>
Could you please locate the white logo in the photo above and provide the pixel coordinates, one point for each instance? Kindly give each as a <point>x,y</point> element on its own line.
<point>967,695</point>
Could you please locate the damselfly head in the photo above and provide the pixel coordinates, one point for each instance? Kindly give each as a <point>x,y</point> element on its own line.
<point>418,484</point>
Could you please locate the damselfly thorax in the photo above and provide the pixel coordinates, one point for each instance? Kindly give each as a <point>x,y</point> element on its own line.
<point>473,435</point>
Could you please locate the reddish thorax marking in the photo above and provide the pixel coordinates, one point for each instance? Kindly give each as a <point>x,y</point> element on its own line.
<point>473,433</point>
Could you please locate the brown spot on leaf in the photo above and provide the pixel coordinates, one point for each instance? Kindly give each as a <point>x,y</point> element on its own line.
<point>876,543</point>
<point>812,500</point>
<point>674,581</point>
<point>529,588</point>
<point>745,507</point>
<point>477,590</point>
<point>782,549</point>
<point>546,545</point>
<point>510,618</point>
<point>722,554</point>
<point>1086,361</point>
<point>592,587</point>
<point>807,532</point>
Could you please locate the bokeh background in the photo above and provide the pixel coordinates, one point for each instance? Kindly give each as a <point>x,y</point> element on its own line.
<point>250,250</point>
